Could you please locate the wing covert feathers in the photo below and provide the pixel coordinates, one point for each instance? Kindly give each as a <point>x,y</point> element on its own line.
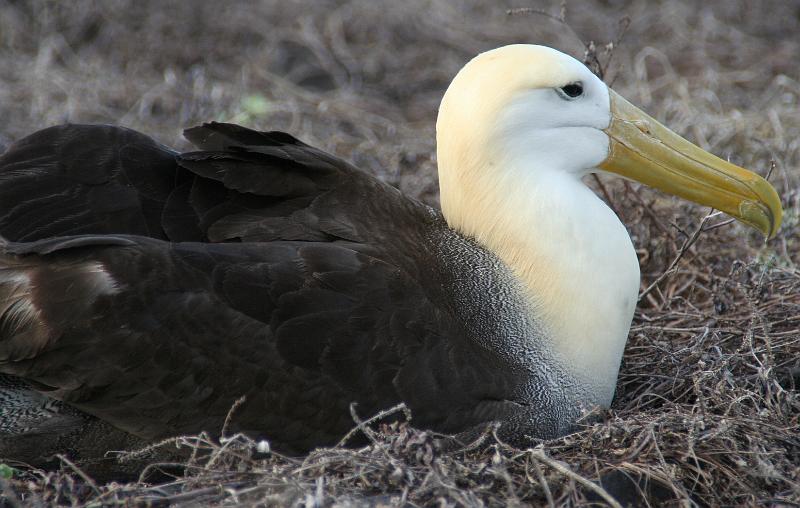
<point>39,297</point>
<point>151,289</point>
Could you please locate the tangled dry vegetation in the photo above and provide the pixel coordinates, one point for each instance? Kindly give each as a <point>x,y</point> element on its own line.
<point>707,403</point>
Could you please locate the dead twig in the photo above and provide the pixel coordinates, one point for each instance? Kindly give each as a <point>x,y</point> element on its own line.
<point>670,269</point>
<point>75,469</point>
<point>361,425</point>
<point>538,454</point>
<point>229,417</point>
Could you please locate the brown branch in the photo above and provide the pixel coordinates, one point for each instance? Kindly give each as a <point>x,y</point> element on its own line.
<point>362,425</point>
<point>685,247</point>
<point>604,190</point>
<point>80,473</point>
<point>539,455</point>
<point>229,416</point>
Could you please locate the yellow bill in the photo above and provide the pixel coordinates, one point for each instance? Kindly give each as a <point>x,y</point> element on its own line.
<point>644,150</point>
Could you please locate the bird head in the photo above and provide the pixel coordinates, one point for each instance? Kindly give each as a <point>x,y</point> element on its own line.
<point>526,111</point>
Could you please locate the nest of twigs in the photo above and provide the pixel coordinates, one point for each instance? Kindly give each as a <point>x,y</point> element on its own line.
<point>707,403</point>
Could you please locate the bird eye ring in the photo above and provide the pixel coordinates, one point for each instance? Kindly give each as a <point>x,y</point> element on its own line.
<point>572,90</point>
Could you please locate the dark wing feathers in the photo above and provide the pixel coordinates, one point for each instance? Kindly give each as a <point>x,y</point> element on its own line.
<point>245,185</point>
<point>246,172</point>
<point>281,323</point>
<point>218,136</point>
<point>285,189</point>
<point>309,305</point>
<point>75,179</point>
<point>62,243</point>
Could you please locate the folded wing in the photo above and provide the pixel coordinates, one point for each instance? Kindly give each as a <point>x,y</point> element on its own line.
<point>257,267</point>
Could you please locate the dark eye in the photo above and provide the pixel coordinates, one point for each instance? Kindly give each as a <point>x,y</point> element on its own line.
<point>573,90</point>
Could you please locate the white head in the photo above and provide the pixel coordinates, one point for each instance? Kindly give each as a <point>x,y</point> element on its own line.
<point>514,103</point>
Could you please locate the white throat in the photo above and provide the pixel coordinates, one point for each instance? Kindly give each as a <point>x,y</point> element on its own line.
<point>574,259</point>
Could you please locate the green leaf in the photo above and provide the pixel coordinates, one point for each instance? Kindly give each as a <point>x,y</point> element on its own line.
<point>256,105</point>
<point>7,471</point>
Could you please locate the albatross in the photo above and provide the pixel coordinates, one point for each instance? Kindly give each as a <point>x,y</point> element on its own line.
<point>143,291</point>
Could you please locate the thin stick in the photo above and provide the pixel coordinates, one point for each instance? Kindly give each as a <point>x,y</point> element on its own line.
<point>184,496</point>
<point>80,473</point>
<point>539,455</point>
<point>123,455</point>
<point>771,169</point>
<point>647,208</point>
<point>362,425</point>
<point>719,225</point>
<point>543,482</point>
<point>229,416</point>
<point>670,269</point>
<point>606,195</point>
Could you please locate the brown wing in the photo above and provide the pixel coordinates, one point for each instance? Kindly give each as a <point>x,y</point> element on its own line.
<point>323,292</point>
<point>246,185</point>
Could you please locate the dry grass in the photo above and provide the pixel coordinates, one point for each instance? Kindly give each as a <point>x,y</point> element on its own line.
<point>707,403</point>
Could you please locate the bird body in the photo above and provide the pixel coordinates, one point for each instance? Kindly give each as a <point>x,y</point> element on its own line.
<point>149,289</point>
<point>154,306</point>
